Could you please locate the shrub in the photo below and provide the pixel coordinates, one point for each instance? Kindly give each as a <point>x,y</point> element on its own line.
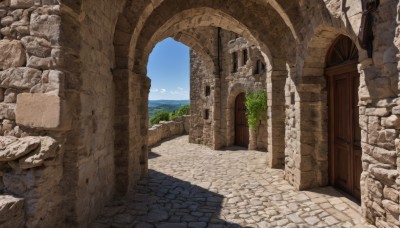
<point>160,116</point>
<point>256,105</point>
<point>182,111</point>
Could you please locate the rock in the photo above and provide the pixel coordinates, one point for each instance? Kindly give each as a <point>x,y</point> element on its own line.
<point>12,149</point>
<point>10,96</point>
<point>4,3</point>
<point>385,175</point>
<point>12,54</point>
<point>20,78</point>
<point>383,156</point>
<point>51,83</point>
<point>7,111</point>
<point>37,46</point>
<point>48,148</point>
<point>392,121</point>
<point>11,211</point>
<point>45,26</point>
<point>19,4</point>
<point>396,110</point>
<point>391,206</point>
<point>39,63</point>
<point>157,216</point>
<point>391,194</point>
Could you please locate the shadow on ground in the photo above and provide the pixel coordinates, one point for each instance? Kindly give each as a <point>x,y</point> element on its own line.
<point>164,201</point>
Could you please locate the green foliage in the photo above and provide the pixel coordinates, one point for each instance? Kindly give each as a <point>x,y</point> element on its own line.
<point>164,115</point>
<point>256,105</point>
<point>182,111</point>
<point>160,116</point>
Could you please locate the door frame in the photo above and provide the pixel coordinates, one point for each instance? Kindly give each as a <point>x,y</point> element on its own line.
<point>235,123</point>
<point>348,67</point>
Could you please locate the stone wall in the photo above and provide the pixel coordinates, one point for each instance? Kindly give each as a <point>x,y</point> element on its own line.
<point>168,129</point>
<point>34,115</point>
<point>224,86</point>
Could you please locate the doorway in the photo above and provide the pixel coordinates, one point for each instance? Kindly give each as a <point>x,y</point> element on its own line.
<point>344,130</point>
<point>241,125</point>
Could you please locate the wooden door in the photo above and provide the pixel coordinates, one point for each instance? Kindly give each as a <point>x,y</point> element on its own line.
<point>241,125</point>
<point>344,130</point>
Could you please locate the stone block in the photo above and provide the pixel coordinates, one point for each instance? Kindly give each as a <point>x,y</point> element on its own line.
<point>22,4</point>
<point>12,54</point>
<point>46,26</point>
<point>20,78</point>
<point>4,3</point>
<point>11,211</point>
<point>13,148</point>
<point>396,110</point>
<point>42,111</point>
<point>392,121</point>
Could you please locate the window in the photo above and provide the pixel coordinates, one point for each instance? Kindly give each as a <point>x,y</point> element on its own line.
<point>206,114</point>
<point>245,56</point>
<point>260,67</point>
<point>208,91</point>
<point>234,62</point>
<point>292,98</point>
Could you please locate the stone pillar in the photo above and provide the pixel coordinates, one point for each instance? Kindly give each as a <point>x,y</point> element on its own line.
<point>276,118</point>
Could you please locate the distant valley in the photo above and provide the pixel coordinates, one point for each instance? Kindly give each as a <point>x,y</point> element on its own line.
<point>165,105</point>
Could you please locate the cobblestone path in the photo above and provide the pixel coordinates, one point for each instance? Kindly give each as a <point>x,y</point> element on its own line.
<point>193,186</point>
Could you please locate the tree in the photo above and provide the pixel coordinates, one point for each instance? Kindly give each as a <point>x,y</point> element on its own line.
<point>256,106</point>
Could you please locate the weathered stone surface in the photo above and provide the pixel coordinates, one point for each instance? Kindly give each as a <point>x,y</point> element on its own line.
<point>22,3</point>
<point>385,175</point>
<point>11,212</point>
<point>12,54</point>
<point>7,111</point>
<point>10,96</point>
<point>41,111</point>
<point>45,26</point>
<point>52,82</point>
<point>37,46</point>
<point>39,63</point>
<point>12,148</point>
<point>4,3</point>
<point>392,122</point>
<point>20,78</point>
<point>48,148</point>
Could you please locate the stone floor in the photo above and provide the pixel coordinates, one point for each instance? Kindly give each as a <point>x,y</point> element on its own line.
<point>193,186</point>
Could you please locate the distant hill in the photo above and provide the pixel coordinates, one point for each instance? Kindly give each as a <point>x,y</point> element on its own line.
<point>165,105</point>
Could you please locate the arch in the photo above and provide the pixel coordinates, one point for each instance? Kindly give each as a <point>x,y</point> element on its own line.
<point>311,99</point>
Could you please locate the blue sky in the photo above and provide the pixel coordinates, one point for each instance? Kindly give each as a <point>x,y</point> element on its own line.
<point>169,71</point>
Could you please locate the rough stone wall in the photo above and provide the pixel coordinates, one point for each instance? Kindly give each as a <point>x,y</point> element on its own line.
<point>168,129</point>
<point>307,161</point>
<point>33,111</point>
<point>224,85</point>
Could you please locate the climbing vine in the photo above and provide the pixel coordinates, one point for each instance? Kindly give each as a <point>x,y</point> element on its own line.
<point>256,105</point>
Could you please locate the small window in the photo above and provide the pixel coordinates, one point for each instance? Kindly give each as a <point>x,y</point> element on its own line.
<point>208,91</point>
<point>206,114</point>
<point>292,99</point>
<point>234,62</point>
<point>260,67</point>
<point>245,56</point>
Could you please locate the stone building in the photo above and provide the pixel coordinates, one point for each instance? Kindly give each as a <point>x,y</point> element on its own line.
<point>239,67</point>
<point>74,95</point>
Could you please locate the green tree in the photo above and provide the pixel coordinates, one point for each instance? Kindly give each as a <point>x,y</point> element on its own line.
<point>159,116</point>
<point>256,105</point>
<point>182,111</point>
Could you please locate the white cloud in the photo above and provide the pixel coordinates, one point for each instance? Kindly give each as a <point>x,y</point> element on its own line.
<point>180,88</point>
<point>163,90</point>
<point>154,90</point>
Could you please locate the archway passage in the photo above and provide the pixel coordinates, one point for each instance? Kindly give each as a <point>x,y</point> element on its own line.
<point>344,130</point>
<point>241,125</point>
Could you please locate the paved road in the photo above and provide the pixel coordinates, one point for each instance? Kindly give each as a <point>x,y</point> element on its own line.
<point>193,186</point>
